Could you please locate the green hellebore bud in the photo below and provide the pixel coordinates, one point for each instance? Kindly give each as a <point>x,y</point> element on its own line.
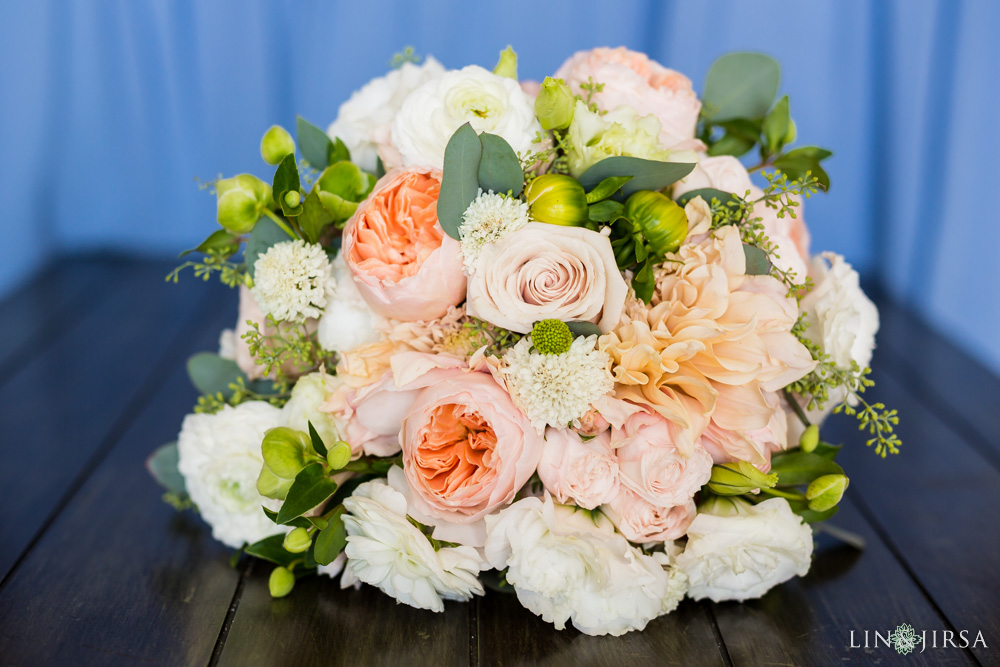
<point>555,104</point>
<point>338,454</point>
<point>507,65</point>
<point>270,485</point>
<point>276,144</point>
<point>735,479</point>
<point>663,223</point>
<point>551,337</point>
<point>292,198</point>
<point>284,450</point>
<point>281,582</point>
<point>557,199</point>
<point>239,202</point>
<point>825,492</point>
<point>297,540</point>
<point>809,438</point>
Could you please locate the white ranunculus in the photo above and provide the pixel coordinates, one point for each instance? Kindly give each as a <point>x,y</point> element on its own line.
<point>385,550</point>
<point>744,554</point>
<point>432,113</point>
<point>309,392</point>
<point>841,318</point>
<point>570,564</point>
<point>375,105</point>
<point>220,460</point>
<point>347,322</point>
<point>622,131</point>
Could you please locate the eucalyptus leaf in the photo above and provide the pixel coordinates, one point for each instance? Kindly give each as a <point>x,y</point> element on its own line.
<point>776,125</point>
<point>798,468</point>
<point>317,147</point>
<point>331,540</point>
<point>286,179</point>
<point>314,217</point>
<point>708,194</point>
<point>646,174</point>
<point>757,262</point>
<point>317,442</point>
<point>211,374</point>
<point>460,179</point>
<point>740,85</point>
<point>220,239</point>
<point>162,465</point>
<point>310,489</point>
<point>499,168</point>
<point>264,235</point>
<point>605,211</point>
<point>606,188</point>
<point>580,328</point>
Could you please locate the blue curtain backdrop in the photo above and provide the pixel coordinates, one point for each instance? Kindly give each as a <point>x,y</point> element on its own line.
<point>110,108</point>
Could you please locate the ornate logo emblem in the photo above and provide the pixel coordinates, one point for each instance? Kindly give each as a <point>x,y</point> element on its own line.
<point>904,639</point>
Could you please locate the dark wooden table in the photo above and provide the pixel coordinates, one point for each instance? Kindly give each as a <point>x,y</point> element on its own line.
<point>96,570</point>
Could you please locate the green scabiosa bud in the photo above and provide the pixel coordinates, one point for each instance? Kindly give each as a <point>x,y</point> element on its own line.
<point>507,65</point>
<point>240,201</point>
<point>555,104</point>
<point>825,492</point>
<point>735,479</point>
<point>809,438</point>
<point>557,199</point>
<point>276,144</point>
<point>551,337</point>
<point>338,454</point>
<point>663,223</point>
<point>270,485</point>
<point>297,540</point>
<point>284,450</point>
<point>281,582</point>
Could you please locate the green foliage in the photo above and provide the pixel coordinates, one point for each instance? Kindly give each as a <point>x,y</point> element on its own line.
<point>606,188</point>
<point>286,346</point>
<point>266,234</point>
<point>740,85</point>
<point>583,329</point>
<point>494,338</point>
<point>407,55</point>
<point>332,539</point>
<point>221,241</point>
<point>162,465</point>
<point>311,488</point>
<point>757,263</point>
<point>460,178</point>
<point>317,148</point>
<point>798,468</point>
<point>499,168</point>
<point>314,217</point>
<point>286,180</point>
<point>237,392</point>
<point>645,174</point>
<point>216,261</point>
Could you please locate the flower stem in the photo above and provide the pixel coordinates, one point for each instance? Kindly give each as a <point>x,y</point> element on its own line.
<point>796,408</point>
<point>281,223</point>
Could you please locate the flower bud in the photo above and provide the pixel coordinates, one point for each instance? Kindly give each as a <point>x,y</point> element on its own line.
<point>722,506</point>
<point>507,65</point>
<point>809,438</point>
<point>735,479</point>
<point>292,198</point>
<point>555,104</point>
<point>270,485</point>
<point>663,223</point>
<point>557,199</point>
<point>240,201</point>
<point>283,450</point>
<point>281,582</point>
<point>338,454</point>
<point>297,540</point>
<point>825,492</point>
<point>551,337</point>
<point>276,144</point>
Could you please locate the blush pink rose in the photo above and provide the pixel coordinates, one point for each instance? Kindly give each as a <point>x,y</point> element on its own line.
<point>652,466</point>
<point>576,471</point>
<point>754,445</point>
<point>722,172</point>
<point>641,521</point>
<point>631,78</point>
<point>405,266</point>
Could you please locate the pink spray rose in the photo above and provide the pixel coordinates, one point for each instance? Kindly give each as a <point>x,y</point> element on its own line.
<point>576,471</point>
<point>641,521</point>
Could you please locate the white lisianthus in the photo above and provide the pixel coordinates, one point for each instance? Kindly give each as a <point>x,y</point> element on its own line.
<point>387,551</point>
<point>745,553</point>
<point>309,392</point>
<point>220,459</point>
<point>622,131</point>
<point>569,564</point>
<point>348,322</point>
<point>490,103</point>
<point>841,318</point>
<point>375,105</point>
<point>293,281</point>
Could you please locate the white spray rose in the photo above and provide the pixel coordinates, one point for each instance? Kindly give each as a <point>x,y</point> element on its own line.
<point>375,105</point>
<point>744,554</point>
<point>432,113</point>
<point>385,550</point>
<point>347,322</point>
<point>220,460</point>
<point>619,132</point>
<point>570,564</point>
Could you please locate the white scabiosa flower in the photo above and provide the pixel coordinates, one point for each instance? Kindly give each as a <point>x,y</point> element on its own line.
<point>348,321</point>
<point>556,389</point>
<point>488,219</point>
<point>744,551</point>
<point>293,281</point>
<point>220,459</point>
<point>569,564</point>
<point>387,551</point>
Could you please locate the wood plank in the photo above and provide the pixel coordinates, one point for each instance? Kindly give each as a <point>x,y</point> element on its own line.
<point>512,635</point>
<point>66,406</point>
<point>935,506</point>
<point>320,624</point>
<point>120,576</point>
<point>962,391</point>
<point>809,620</point>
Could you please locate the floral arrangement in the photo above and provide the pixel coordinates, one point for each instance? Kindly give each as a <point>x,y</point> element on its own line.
<point>554,339</point>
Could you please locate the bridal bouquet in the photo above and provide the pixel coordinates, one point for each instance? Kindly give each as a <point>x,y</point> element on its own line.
<point>554,339</point>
